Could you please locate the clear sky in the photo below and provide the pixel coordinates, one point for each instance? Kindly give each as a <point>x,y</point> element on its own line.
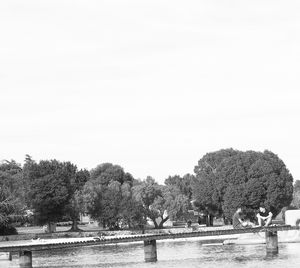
<point>150,85</point>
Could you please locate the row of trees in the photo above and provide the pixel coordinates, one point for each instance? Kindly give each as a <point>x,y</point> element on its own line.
<point>58,191</point>
<point>223,180</point>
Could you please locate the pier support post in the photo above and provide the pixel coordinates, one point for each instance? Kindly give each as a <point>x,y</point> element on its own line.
<point>271,242</point>
<point>150,251</point>
<point>25,259</point>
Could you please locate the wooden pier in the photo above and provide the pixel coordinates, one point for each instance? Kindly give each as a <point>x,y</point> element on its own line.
<point>25,248</point>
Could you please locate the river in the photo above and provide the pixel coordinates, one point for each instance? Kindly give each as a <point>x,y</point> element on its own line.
<point>171,254</point>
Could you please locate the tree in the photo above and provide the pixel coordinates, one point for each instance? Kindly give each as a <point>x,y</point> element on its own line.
<point>7,210</point>
<point>176,203</point>
<point>132,213</point>
<point>296,195</point>
<point>108,194</point>
<point>184,184</point>
<point>28,169</point>
<point>107,172</point>
<point>76,202</point>
<point>181,190</point>
<point>227,179</point>
<point>160,202</point>
<point>11,177</point>
<point>50,189</point>
<point>148,193</point>
<point>11,196</point>
<point>68,175</point>
<point>207,192</point>
<point>205,198</point>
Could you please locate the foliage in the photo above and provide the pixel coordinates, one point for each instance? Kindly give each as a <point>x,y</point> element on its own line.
<point>184,184</point>
<point>227,179</point>
<point>296,195</point>
<point>207,191</point>
<point>11,178</point>
<point>11,196</point>
<point>160,202</point>
<point>75,205</point>
<point>68,202</point>
<point>108,196</point>
<point>132,213</point>
<point>176,203</point>
<point>106,173</point>
<point>28,169</point>
<point>7,210</point>
<point>148,193</point>
<point>50,188</point>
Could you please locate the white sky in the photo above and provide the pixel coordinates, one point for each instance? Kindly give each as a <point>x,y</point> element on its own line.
<point>149,85</point>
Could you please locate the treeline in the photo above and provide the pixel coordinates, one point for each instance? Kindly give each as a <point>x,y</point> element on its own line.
<point>222,181</point>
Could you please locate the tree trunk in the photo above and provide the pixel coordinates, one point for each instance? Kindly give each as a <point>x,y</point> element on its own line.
<point>209,220</point>
<point>161,224</point>
<point>51,227</point>
<point>226,221</point>
<point>75,227</point>
<point>154,222</point>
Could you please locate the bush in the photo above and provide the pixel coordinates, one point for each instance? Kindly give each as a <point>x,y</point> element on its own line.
<point>7,230</point>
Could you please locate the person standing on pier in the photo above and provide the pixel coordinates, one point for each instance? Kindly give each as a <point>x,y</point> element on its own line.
<point>264,216</point>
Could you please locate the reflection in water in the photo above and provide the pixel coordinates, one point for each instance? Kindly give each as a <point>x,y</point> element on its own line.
<point>171,254</point>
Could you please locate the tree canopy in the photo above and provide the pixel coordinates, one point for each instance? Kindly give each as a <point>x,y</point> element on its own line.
<point>75,206</point>
<point>227,179</point>
<point>161,202</point>
<point>11,195</point>
<point>223,180</point>
<point>183,184</point>
<point>50,188</point>
<point>108,195</point>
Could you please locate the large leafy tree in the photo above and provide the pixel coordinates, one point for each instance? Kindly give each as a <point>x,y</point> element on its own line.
<point>76,202</point>
<point>181,189</point>
<point>132,213</point>
<point>73,185</point>
<point>11,177</point>
<point>50,188</point>
<point>228,178</point>
<point>160,202</point>
<point>176,203</point>
<point>11,196</point>
<point>108,195</point>
<point>8,207</point>
<point>149,194</point>
<point>207,193</point>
